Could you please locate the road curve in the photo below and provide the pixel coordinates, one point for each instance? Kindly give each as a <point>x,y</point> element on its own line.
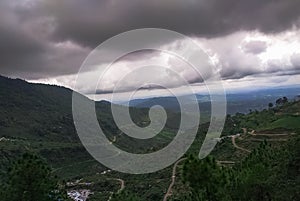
<point>236,146</point>
<point>122,182</point>
<point>168,193</point>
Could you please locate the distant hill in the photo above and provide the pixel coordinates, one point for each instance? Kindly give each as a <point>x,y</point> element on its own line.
<point>39,117</point>
<point>240,102</point>
<point>44,112</point>
<point>36,111</point>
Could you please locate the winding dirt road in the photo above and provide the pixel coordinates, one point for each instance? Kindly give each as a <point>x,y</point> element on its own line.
<point>268,135</point>
<point>225,162</point>
<point>168,193</point>
<point>252,133</point>
<point>122,182</point>
<point>236,146</point>
<point>268,140</point>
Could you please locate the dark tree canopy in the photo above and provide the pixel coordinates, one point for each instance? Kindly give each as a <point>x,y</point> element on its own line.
<point>262,176</point>
<point>281,101</point>
<point>30,179</point>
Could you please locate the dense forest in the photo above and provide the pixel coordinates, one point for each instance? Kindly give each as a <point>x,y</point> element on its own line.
<point>257,156</point>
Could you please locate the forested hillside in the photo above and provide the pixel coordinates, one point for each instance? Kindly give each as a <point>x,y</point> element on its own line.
<point>256,158</point>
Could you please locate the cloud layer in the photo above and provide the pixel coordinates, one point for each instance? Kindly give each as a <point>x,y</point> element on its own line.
<point>48,40</point>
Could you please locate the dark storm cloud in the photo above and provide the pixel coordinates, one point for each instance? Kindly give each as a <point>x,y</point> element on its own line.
<point>25,48</point>
<point>41,38</point>
<point>16,44</point>
<point>91,22</point>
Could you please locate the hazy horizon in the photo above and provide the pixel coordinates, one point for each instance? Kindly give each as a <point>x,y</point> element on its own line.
<point>47,42</point>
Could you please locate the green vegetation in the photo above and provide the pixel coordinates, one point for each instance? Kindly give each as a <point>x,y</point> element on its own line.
<point>266,174</point>
<point>38,119</point>
<point>125,196</point>
<point>29,179</point>
<point>289,122</point>
<point>283,117</point>
<point>205,178</point>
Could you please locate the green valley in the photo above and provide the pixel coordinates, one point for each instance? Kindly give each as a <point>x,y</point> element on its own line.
<point>36,118</point>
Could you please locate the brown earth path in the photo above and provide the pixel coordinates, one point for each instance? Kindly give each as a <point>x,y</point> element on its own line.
<point>238,147</point>
<point>122,182</point>
<point>168,193</point>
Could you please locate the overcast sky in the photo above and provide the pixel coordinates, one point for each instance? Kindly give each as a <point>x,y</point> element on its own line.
<point>253,43</point>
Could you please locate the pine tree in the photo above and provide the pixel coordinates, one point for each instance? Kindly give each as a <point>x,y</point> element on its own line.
<point>30,179</point>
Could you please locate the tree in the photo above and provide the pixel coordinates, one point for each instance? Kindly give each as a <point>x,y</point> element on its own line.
<point>279,101</point>
<point>125,196</point>
<point>285,100</point>
<point>270,105</point>
<point>282,101</point>
<point>207,180</point>
<point>252,175</point>
<point>30,179</point>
